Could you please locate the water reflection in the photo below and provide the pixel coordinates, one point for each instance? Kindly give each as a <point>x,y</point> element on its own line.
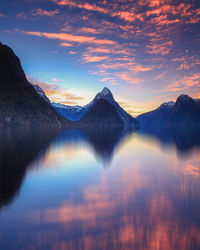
<point>103,141</point>
<point>185,140</point>
<point>18,148</point>
<point>148,198</point>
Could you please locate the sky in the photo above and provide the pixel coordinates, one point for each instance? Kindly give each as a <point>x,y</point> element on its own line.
<point>145,51</point>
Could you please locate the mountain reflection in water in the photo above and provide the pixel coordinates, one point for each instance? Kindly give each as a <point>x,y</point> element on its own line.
<point>146,198</point>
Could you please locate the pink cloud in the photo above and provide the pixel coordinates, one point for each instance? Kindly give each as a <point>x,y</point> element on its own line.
<point>128,77</point>
<point>105,79</point>
<point>72,52</point>
<point>54,80</point>
<point>40,12</point>
<point>21,15</point>
<point>160,76</point>
<point>88,30</point>
<point>87,6</point>
<point>70,37</point>
<point>161,48</point>
<point>185,83</point>
<point>127,15</point>
<point>65,44</point>
<point>89,58</point>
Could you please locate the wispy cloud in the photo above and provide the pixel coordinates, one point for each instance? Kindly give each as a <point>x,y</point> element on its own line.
<point>127,15</point>
<point>185,83</point>
<point>159,48</point>
<point>88,58</point>
<point>126,42</point>
<point>161,76</point>
<point>55,93</point>
<point>70,37</point>
<point>22,15</point>
<point>41,12</point>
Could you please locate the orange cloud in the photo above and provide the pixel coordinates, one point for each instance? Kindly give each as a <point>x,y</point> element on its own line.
<point>72,52</point>
<point>58,94</point>
<point>164,20</point>
<point>70,37</point>
<point>88,58</point>
<point>62,96</point>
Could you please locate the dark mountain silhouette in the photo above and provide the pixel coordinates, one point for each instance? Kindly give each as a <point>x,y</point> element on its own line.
<point>185,112</point>
<point>19,101</point>
<point>128,120</point>
<point>76,113</point>
<point>102,113</point>
<point>18,149</point>
<point>158,117</point>
<point>41,93</point>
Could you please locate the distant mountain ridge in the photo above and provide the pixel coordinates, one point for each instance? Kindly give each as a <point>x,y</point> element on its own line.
<point>77,113</point>
<point>74,113</point>
<point>184,112</point>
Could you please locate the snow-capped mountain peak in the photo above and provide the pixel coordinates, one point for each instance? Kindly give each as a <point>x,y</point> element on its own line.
<point>106,91</point>
<point>105,94</point>
<point>167,105</point>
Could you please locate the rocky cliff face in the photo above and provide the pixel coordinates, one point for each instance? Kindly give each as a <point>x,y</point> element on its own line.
<point>19,101</point>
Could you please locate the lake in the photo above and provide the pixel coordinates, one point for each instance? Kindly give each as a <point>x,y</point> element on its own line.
<point>107,189</point>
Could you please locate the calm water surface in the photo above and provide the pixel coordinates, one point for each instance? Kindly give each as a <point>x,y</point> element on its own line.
<point>99,190</point>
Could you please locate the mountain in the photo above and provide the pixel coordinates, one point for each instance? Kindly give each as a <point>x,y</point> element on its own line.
<point>127,119</point>
<point>19,101</point>
<point>102,114</point>
<point>41,93</point>
<point>184,112</point>
<point>157,117</point>
<point>76,113</point>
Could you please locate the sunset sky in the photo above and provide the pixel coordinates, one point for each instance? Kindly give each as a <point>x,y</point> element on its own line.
<point>145,51</point>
